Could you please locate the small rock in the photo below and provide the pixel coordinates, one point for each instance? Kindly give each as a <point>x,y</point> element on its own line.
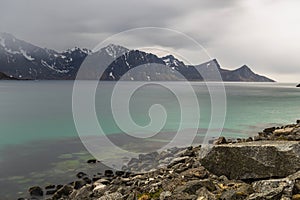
<point>120,173</point>
<point>99,187</point>
<point>50,192</point>
<point>48,187</point>
<point>79,184</point>
<point>112,196</point>
<point>64,191</point>
<point>36,191</point>
<point>81,174</point>
<point>92,161</point>
<point>164,195</point>
<point>87,180</point>
<point>108,173</point>
<point>102,181</point>
<point>220,140</point>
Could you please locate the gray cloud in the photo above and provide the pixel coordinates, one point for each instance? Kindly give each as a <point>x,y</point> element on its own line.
<point>263,34</point>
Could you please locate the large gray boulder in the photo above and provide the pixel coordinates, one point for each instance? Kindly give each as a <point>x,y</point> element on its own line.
<point>253,160</point>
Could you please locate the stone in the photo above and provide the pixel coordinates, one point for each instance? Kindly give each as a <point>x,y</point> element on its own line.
<point>81,174</point>
<point>296,197</point>
<point>269,130</point>
<point>64,191</point>
<point>220,140</point>
<point>83,193</point>
<point>50,192</point>
<point>79,184</point>
<point>87,180</point>
<point>298,85</point>
<point>92,161</point>
<point>192,186</point>
<point>48,187</point>
<point>119,173</point>
<point>204,194</point>
<point>164,195</point>
<point>102,181</point>
<point>99,187</point>
<point>178,160</point>
<point>108,173</point>
<point>36,191</point>
<point>253,160</point>
<point>112,196</point>
<point>232,195</point>
<point>272,189</point>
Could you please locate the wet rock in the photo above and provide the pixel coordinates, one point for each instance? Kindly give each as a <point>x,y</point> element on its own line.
<point>79,184</point>
<point>269,130</point>
<point>87,180</point>
<point>81,174</point>
<point>48,187</point>
<point>50,192</point>
<point>254,160</point>
<point>220,140</point>
<point>36,191</point>
<point>64,191</point>
<point>92,161</point>
<point>119,173</point>
<point>108,173</point>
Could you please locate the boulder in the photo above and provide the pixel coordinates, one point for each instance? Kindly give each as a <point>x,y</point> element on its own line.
<point>298,85</point>
<point>253,160</point>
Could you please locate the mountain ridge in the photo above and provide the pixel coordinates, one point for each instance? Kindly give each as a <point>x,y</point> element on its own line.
<point>22,60</point>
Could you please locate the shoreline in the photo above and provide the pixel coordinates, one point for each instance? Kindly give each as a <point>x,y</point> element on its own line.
<point>149,170</point>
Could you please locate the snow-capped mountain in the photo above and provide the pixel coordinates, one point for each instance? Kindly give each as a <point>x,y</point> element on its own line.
<point>22,60</point>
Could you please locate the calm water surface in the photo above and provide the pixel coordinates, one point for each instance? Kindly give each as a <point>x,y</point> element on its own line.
<point>39,143</point>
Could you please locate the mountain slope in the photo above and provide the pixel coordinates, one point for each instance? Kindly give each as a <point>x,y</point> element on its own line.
<point>22,60</point>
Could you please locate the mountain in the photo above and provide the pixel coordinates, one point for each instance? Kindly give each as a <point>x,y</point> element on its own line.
<point>242,74</point>
<point>22,60</point>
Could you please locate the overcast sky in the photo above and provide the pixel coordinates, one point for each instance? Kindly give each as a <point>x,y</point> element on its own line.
<point>264,34</point>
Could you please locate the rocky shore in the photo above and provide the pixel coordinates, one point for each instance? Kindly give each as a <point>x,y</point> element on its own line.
<point>266,166</point>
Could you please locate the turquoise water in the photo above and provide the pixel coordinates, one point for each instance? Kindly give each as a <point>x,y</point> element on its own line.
<point>38,138</point>
<point>42,110</point>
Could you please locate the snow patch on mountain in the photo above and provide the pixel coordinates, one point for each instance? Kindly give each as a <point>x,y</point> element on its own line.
<point>28,57</point>
<point>44,63</point>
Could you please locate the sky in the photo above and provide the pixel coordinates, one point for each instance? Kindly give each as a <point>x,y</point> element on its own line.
<point>263,34</point>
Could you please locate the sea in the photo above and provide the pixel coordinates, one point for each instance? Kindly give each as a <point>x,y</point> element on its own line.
<point>41,139</point>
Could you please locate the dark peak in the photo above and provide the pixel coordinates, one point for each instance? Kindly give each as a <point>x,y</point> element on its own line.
<point>170,60</point>
<point>216,63</point>
<point>244,68</point>
<point>77,49</point>
<point>171,57</point>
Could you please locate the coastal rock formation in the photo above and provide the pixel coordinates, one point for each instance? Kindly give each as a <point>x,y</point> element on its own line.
<point>235,169</point>
<point>254,160</point>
